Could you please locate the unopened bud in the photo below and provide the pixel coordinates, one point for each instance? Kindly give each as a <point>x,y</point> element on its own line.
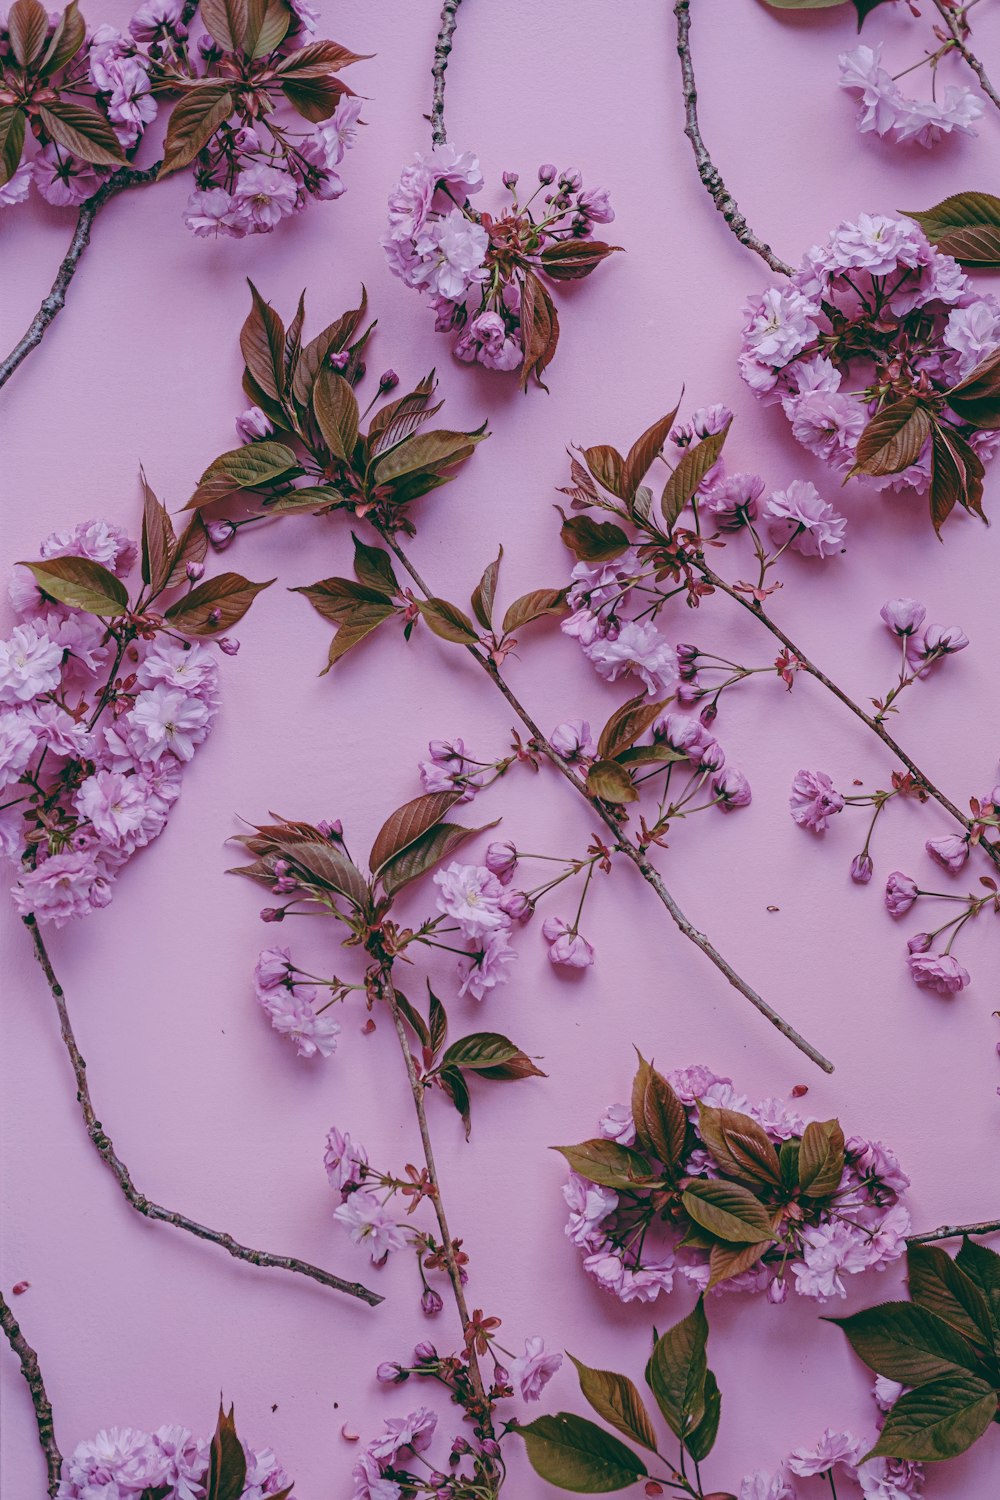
<point>391,1374</point>
<point>431,1302</point>
<point>546,173</point>
<point>228,646</point>
<point>388,381</point>
<point>194,571</point>
<point>510,180</point>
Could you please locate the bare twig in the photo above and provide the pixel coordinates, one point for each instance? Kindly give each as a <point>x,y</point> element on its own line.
<point>707,170</point>
<point>127,177</point>
<point>622,842</point>
<point>104,1147</point>
<point>991,850</point>
<point>447,1244</point>
<point>955,1232</point>
<point>39,1399</point>
<point>442,49</point>
<point>954,18</point>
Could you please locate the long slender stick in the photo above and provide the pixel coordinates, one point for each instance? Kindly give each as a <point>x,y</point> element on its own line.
<point>621,840</point>
<point>954,18</point>
<point>127,177</point>
<point>954,1232</point>
<point>447,1245</point>
<point>707,170</point>
<point>442,49</point>
<point>757,610</point>
<point>32,1373</point>
<point>104,1147</point>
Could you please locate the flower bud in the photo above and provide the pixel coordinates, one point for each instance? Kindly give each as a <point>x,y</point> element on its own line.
<point>460,1446</point>
<point>709,714</point>
<point>220,533</point>
<point>903,616</point>
<point>215,616</point>
<point>424,1353</point>
<point>388,381</point>
<point>340,359</point>
<point>919,942</point>
<point>431,1302</point>
<point>333,831</point>
<point>501,1375</point>
<point>571,181</point>
<point>510,181</point>
<point>501,860</point>
<point>777,1290</point>
<point>861,869</point>
<point>391,1374</point>
<point>195,571</point>
<point>228,645</point>
<point>272,914</point>
<point>517,905</point>
<point>490,1447</point>
<point>546,173</point>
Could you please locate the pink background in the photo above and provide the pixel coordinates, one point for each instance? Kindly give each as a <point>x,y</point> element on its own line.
<point>140,1325</point>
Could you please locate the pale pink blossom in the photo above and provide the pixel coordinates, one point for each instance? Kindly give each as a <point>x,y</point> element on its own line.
<point>62,887</point>
<point>900,893</point>
<point>531,1371</point>
<point>903,616</point>
<point>573,740</point>
<point>17,187</point>
<point>950,852</point>
<point>262,197</point>
<point>345,1161</point>
<point>253,424</point>
<point>370,1223</point>
<point>832,1449</point>
<point>938,971</point>
<point>567,948</point>
<point>470,895</point>
<point>800,516</point>
<point>213,211</point>
<point>63,179</point>
<point>485,968</point>
<point>30,663</point>
<point>169,720</point>
<point>762,1486</point>
<point>814,800</point>
<point>617,1124</point>
<point>488,341</point>
<point>638,648</point>
<point>17,745</point>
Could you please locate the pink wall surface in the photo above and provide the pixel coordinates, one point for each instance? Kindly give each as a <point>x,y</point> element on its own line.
<point>139,1325</point>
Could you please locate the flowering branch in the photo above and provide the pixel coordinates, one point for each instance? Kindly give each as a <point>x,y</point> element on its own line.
<point>756,608</point>
<point>707,170</point>
<point>954,17</point>
<point>127,177</point>
<point>39,1399</point>
<point>621,841</point>
<point>442,49</point>
<point>954,1232</point>
<point>105,1149</point>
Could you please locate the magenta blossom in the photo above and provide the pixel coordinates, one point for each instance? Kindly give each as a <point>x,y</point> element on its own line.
<point>566,947</point>
<point>938,971</point>
<point>501,860</point>
<point>814,800</point>
<point>731,789</point>
<point>950,852</point>
<point>900,893</point>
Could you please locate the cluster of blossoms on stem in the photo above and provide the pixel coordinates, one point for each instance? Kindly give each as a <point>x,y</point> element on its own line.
<point>883,108</point>
<point>244,81</point>
<point>98,718</point>
<point>479,271</point>
<point>288,999</point>
<point>123,1463</point>
<point>640,1221</point>
<point>838,1456</point>
<point>877,322</point>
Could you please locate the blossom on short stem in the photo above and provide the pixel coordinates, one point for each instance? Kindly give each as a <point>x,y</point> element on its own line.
<point>531,1371</point>
<point>814,800</point>
<point>567,948</point>
<point>900,893</point>
<point>938,971</point>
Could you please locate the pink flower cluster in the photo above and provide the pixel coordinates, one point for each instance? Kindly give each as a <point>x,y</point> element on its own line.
<point>475,900</point>
<point>470,265</point>
<point>361,1212</point>
<point>863,1228</point>
<point>90,767</point>
<point>243,192</point>
<point>290,1005</point>
<point>886,111</point>
<point>122,1463</point>
<point>875,308</point>
<point>403,1441</point>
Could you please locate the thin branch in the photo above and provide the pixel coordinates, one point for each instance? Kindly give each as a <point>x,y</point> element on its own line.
<point>447,1244</point>
<point>954,18</point>
<point>104,1147</point>
<point>621,840</point>
<point>757,610</point>
<point>39,1399</point>
<point>707,170</point>
<point>127,177</point>
<point>442,50</point>
<point>955,1232</point>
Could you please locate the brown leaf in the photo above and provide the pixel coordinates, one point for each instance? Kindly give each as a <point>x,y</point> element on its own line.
<point>977,398</point>
<point>344,602</point>
<point>374,569</point>
<point>821,1158</point>
<point>539,330</point>
<point>893,439</point>
<point>215,605</point>
<point>485,592</point>
<point>27,27</point>
<point>407,823</point>
<point>432,451</point>
<point>83,132</point>
<point>533,606</point>
<point>267,24</point>
<point>608,468</point>
<point>349,636</point>
<point>315,99</point>
<point>192,547</point>
<point>67,39</point>
<point>643,451</point>
<point>333,340</point>
<point>225,21</point>
<point>726,1261</point>
<point>262,341</point>
<point>593,541</point>
<point>571,260</point>
<point>424,853</point>
<point>194,120</point>
<point>399,419</point>
<point>690,471</point>
<point>335,407</point>
<point>11,141</point>
<point>158,540</point>
<point>739,1145</point>
<point>227,1464</point>
<point>627,723</point>
<point>80,583</point>
<point>611,782</point>
<point>661,1122</point>
<point>448,621</point>
<point>319,60</point>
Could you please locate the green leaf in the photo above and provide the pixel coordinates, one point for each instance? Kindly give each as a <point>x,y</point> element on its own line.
<point>81,583</point>
<point>336,410</point>
<point>491,1056</point>
<point>627,723</point>
<point>245,468</point>
<point>82,131</point>
<point>194,120</point>
<point>539,330</point>
<point>616,1399</point>
<point>677,1371</point>
<point>907,1343</point>
<point>577,1455</point>
<point>457,1090</point>
<point>225,21</point>
<point>448,621</point>
<point>643,451</point>
<point>690,471</point>
<point>349,636</point>
<point>608,467</point>
<point>67,39</point>
<point>593,541</point>
<point>215,605</point>
<point>607,1163</point>
<point>739,1146</point>
<point>344,602</point>
<point>982,1265</point>
<point>661,1123</point>
<point>438,1022</point>
<point>333,340</point>
<point>485,592</point>
<point>397,420</point>
<point>893,439</point>
<point>821,1158</point>
<point>267,23</point>
<point>158,541</point>
<point>11,141</point>
<point>939,1420</point>
<point>424,853</point>
<point>701,1439</point>
<point>427,450</point>
<point>227,1465</point>
<point>408,823</point>
<point>27,27</point>
<point>374,568</point>
<point>315,99</point>
<point>965,225</point>
<point>262,341</point>
<point>611,782</point>
<point>726,1261</point>
<point>940,1285</point>
<point>534,606</point>
<point>413,1019</point>
<point>728,1211</point>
